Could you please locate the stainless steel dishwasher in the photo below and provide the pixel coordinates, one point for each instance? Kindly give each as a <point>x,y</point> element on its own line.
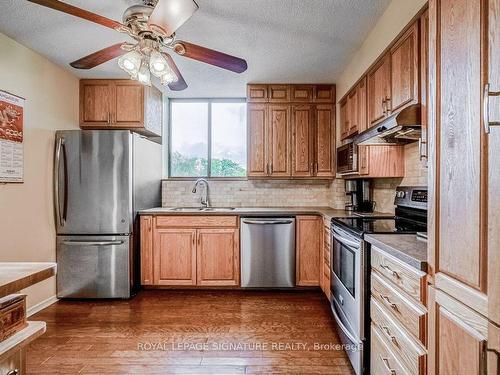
<point>267,252</point>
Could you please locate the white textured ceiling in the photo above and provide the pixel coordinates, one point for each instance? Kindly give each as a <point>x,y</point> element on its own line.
<point>292,41</point>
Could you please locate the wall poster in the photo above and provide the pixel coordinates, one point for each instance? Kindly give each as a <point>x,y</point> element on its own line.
<point>11,137</point>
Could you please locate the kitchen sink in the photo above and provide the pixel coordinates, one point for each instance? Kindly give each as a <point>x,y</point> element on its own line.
<point>202,209</point>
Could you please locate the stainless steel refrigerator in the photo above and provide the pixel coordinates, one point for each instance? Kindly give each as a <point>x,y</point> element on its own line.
<point>101,180</point>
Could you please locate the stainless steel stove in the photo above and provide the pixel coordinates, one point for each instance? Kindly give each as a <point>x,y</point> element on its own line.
<point>350,267</point>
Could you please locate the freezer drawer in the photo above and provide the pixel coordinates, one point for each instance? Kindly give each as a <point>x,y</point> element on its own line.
<point>267,252</point>
<point>93,266</point>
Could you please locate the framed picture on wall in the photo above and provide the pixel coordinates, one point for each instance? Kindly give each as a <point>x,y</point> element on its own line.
<point>11,137</point>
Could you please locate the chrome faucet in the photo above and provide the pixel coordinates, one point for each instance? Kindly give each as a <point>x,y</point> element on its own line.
<point>204,197</point>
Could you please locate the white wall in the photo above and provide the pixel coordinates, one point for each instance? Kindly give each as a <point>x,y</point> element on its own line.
<point>26,213</point>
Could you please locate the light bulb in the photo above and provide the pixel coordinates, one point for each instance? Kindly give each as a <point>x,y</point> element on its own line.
<point>168,77</point>
<point>130,62</point>
<point>158,64</point>
<point>143,75</point>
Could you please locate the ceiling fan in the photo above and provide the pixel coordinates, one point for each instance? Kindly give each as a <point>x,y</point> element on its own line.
<point>152,25</point>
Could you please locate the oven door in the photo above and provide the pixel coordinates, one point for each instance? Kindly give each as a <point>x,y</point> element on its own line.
<point>347,278</point>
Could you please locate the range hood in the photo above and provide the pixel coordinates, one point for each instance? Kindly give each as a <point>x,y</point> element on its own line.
<point>400,128</point>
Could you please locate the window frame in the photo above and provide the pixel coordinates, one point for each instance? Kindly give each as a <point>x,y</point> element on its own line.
<point>209,101</point>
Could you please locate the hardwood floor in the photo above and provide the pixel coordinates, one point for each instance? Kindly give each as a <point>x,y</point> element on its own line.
<point>190,332</point>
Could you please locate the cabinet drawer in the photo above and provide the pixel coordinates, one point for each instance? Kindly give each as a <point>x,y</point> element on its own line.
<point>408,350</point>
<point>411,280</point>
<point>196,221</point>
<point>409,314</point>
<point>383,361</point>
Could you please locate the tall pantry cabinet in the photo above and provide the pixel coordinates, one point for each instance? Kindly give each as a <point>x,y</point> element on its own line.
<point>464,187</point>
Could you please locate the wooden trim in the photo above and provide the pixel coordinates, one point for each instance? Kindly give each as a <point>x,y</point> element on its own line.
<point>462,292</point>
<point>146,240</point>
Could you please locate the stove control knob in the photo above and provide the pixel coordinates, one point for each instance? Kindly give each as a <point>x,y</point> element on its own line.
<point>400,194</point>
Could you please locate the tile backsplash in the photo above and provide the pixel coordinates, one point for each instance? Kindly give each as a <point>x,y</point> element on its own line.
<point>257,193</point>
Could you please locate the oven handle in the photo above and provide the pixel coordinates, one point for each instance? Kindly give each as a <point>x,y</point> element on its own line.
<point>345,241</point>
<point>342,326</point>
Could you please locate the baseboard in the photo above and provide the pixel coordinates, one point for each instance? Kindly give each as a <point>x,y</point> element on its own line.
<point>41,305</point>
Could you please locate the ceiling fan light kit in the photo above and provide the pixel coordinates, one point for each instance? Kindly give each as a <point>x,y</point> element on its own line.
<point>152,25</point>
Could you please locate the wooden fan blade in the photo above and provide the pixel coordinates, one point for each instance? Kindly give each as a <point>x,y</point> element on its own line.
<point>77,12</point>
<point>228,62</point>
<point>171,14</point>
<point>181,83</point>
<point>99,57</point>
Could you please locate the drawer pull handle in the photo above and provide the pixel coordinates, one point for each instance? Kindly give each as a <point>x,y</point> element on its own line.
<point>385,361</point>
<point>388,269</point>
<point>390,335</point>
<point>392,304</point>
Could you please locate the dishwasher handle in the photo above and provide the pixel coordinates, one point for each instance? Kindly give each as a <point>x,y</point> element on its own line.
<point>267,222</point>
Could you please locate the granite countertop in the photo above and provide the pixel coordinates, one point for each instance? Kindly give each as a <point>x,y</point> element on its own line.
<point>327,212</point>
<point>405,247</point>
<point>15,276</point>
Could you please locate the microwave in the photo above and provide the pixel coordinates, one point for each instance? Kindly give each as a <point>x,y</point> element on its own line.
<point>347,161</point>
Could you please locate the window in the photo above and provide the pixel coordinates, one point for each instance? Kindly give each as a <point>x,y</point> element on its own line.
<point>207,138</point>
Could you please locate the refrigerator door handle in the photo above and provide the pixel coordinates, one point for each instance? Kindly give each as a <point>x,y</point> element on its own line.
<point>92,243</point>
<point>66,190</point>
<point>57,162</point>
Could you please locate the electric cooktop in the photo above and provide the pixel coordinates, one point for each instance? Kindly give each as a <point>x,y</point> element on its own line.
<point>362,225</point>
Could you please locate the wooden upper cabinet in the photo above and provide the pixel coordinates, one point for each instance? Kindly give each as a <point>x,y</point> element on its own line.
<point>95,102</point>
<point>308,245</point>
<point>257,94</point>
<point>362,120</point>
<point>257,151</point>
<point>279,93</point>
<point>379,88</point>
<point>324,94</point>
<point>128,104</point>
<point>404,64</point>
<point>217,257</point>
<point>279,141</point>
<point>120,104</point>
<point>381,161</point>
<point>302,138</point>
<point>302,93</point>
<point>174,252</point>
<point>324,119</point>
<point>458,190</point>
<point>352,106</point>
<point>344,119</point>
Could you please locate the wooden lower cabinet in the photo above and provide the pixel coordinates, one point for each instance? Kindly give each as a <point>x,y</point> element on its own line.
<point>217,257</point>
<point>457,337</point>
<point>174,257</point>
<point>308,248</point>
<point>190,251</point>
<point>15,363</point>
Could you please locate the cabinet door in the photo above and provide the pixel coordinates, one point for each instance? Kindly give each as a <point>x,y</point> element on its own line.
<point>457,337</point>
<point>302,147</point>
<point>379,86</point>
<point>302,93</point>
<point>96,97</point>
<point>308,247</point>
<point>325,124</point>
<point>424,84</point>
<point>404,71</point>
<point>279,136</point>
<point>129,104</point>
<point>324,94</point>
<point>174,256</point>
<point>362,108</point>
<point>257,128</point>
<point>352,105</point>
<point>218,257</point>
<point>344,121</point>
<point>494,171</point>
<point>458,167</point>
<point>257,94</point>
<point>146,241</point>
<point>279,93</point>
